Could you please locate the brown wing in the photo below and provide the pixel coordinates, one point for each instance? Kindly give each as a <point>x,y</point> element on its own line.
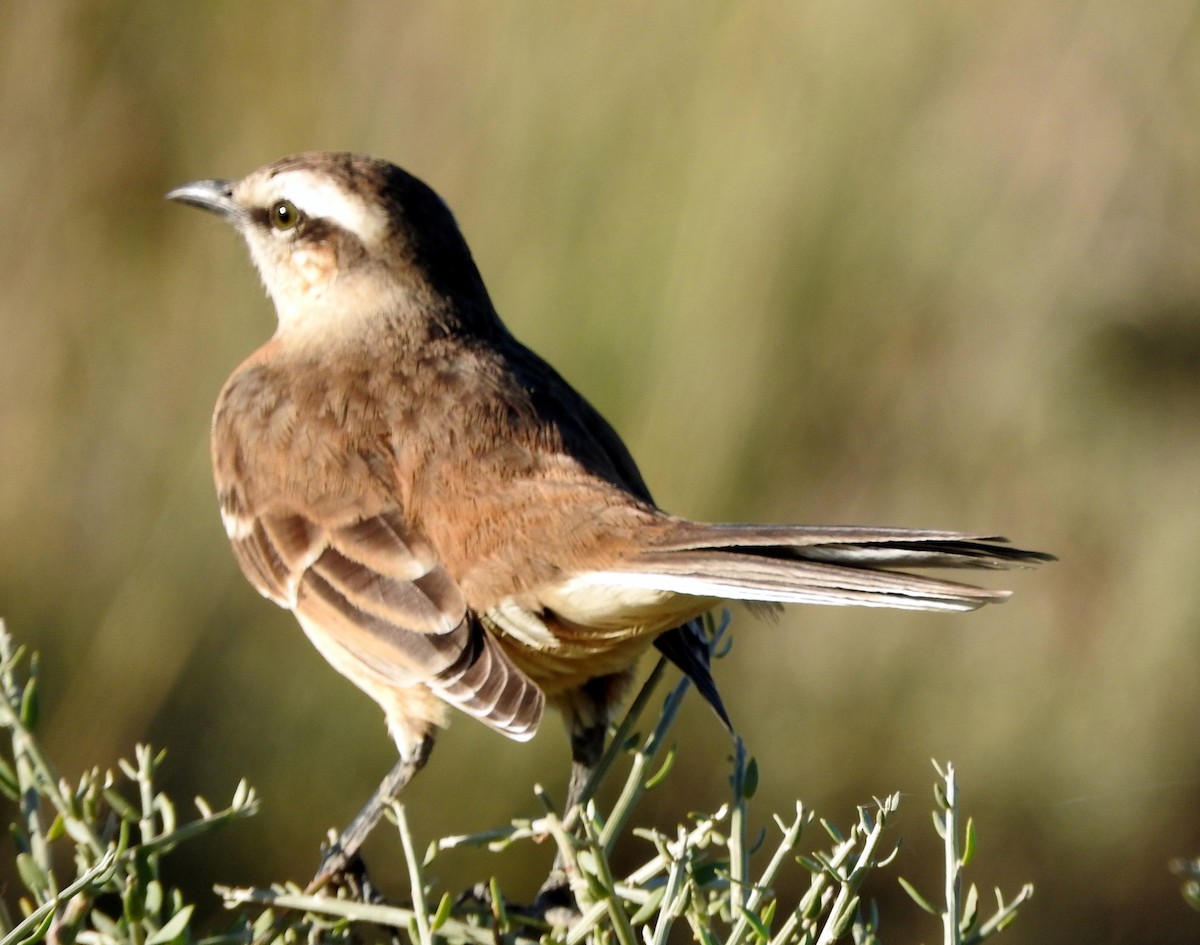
<point>379,605</point>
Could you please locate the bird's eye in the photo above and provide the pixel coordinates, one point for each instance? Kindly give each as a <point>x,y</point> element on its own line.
<point>285,216</point>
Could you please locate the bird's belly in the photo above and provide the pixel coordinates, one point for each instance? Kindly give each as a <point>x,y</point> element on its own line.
<point>579,655</point>
<point>570,634</point>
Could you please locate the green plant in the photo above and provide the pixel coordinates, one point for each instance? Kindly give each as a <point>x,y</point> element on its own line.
<point>701,874</point>
<point>961,921</point>
<point>116,825</point>
<point>705,877</point>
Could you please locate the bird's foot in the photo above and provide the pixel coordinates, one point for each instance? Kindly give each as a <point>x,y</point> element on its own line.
<point>554,905</point>
<point>348,874</point>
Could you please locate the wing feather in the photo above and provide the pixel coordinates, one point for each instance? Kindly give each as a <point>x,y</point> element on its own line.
<point>385,612</point>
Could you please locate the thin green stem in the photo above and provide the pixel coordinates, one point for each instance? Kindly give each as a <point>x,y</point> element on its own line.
<point>415,878</point>
<point>950,933</point>
<point>739,859</point>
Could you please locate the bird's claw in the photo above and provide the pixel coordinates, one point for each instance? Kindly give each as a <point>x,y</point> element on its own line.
<point>345,873</point>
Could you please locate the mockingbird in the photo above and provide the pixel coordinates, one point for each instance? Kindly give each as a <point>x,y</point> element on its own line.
<point>450,521</point>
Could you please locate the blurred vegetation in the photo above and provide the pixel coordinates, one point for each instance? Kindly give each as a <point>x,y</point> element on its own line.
<point>914,264</point>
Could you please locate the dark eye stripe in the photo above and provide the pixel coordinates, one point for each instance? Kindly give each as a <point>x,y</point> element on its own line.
<point>261,216</point>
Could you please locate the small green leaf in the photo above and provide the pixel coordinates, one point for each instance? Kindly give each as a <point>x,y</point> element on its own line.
<point>243,794</point>
<point>19,838</point>
<point>811,904</point>
<point>827,866</point>
<point>120,806</point>
<point>969,841</point>
<point>39,934</point>
<point>442,914</point>
<point>166,810</point>
<point>154,897</point>
<point>918,898</point>
<point>263,923</point>
<point>78,831</point>
<point>758,841</point>
<point>29,704</point>
<point>887,860</point>
<point>660,775</point>
<point>650,907</point>
<point>8,781</point>
<point>32,875</point>
<point>499,908</point>
<point>1006,921</point>
<point>750,779</point>
<point>970,912</point>
<point>174,929</point>
<point>587,861</point>
<point>760,930</point>
<point>133,899</point>
<point>845,918</point>
<point>705,936</point>
<point>106,926</point>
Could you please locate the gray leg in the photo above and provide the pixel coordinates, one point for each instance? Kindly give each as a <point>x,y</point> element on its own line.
<point>587,747</point>
<point>345,849</point>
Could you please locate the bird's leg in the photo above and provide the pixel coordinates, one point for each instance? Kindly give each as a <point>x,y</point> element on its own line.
<point>554,898</point>
<point>587,747</point>
<point>587,712</point>
<point>342,857</point>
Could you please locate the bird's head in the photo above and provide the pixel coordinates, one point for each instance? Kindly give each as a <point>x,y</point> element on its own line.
<point>345,241</point>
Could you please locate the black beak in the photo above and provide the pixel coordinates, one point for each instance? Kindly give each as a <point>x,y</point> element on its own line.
<point>215,196</point>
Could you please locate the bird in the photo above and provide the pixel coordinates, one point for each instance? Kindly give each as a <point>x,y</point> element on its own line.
<point>449,520</point>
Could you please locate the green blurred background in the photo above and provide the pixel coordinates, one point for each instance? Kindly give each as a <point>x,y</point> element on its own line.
<point>908,263</point>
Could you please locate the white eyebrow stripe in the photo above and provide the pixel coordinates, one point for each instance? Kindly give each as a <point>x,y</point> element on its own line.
<point>317,196</point>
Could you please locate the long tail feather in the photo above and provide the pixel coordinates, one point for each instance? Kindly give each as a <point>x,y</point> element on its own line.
<point>860,546</point>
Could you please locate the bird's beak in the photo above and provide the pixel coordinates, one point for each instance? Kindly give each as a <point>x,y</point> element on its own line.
<point>215,196</point>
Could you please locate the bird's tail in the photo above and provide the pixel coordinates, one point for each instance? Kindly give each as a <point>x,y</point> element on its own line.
<point>783,564</point>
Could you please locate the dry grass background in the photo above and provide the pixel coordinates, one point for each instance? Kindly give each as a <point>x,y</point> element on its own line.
<point>893,263</point>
